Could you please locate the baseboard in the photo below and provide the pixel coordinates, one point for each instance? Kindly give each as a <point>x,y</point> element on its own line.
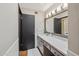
<point>70,53</point>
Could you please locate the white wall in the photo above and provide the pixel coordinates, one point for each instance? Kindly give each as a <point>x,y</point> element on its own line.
<point>73,42</point>
<point>39,21</point>
<point>8,26</point>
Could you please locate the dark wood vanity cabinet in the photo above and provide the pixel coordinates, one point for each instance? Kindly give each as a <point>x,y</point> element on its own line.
<point>43,47</point>
<point>46,49</point>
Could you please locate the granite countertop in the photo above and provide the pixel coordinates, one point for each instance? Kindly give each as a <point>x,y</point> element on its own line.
<point>59,43</point>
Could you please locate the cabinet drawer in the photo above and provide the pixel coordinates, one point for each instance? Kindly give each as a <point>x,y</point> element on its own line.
<point>52,49</point>
<point>47,45</point>
<point>57,53</point>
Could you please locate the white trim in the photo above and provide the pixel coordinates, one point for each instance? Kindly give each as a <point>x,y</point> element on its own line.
<point>10,48</point>
<point>70,53</point>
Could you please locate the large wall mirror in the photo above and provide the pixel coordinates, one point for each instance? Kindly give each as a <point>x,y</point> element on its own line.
<point>58,24</point>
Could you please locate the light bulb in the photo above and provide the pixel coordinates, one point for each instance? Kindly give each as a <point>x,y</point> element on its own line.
<point>59,8</point>
<point>65,5</point>
<point>53,12</point>
<point>49,14</point>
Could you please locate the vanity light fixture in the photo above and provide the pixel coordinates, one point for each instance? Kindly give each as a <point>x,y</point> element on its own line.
<point>53,12</point>
<point>65,6</point>
<point>61,8</point>
<point>49,14</point>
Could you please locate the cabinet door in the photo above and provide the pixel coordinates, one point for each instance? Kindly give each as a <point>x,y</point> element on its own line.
<point>39,41</point>
<point>56,52</point>
<point>40,44</point>
<point>47,52</point>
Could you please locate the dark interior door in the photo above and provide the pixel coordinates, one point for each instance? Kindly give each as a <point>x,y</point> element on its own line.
<point>57,25</point>
<point>28,32</point>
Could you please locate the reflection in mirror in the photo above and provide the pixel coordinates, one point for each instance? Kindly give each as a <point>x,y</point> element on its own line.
<point>64,22</point>
<point>49,25</point>
<point>58,26</point>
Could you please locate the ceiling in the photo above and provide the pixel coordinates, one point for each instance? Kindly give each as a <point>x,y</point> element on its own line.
<point>36,6</point>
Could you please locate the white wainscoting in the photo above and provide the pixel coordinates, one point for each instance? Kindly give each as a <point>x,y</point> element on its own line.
<point>13,49</point>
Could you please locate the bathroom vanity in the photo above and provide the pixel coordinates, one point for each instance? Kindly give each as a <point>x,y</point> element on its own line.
<point>52,45</point>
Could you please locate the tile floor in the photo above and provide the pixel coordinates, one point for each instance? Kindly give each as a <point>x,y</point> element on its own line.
<point>34,52</point>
